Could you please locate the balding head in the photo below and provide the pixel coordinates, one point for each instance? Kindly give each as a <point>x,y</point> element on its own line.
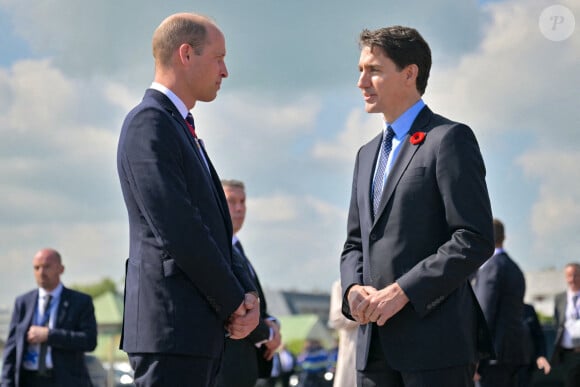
<point>48,267</point>
<point>189,53</point>
<point>572,274</point>
<point>176,30</point>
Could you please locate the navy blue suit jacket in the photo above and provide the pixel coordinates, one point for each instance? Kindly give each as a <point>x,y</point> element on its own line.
<point>433,229</point>
<point>181,282</point>
<point>73,334</point>
<point>500,287</point>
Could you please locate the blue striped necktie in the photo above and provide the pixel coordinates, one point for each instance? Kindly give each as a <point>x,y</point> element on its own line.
<point>44,346</point>
<point>379,180</point>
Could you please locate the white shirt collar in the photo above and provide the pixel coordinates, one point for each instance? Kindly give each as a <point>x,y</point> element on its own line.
<point>171,95</point>
<point>54,293</point>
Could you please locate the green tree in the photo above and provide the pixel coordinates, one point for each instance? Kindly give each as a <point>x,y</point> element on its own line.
<point>96,289</point>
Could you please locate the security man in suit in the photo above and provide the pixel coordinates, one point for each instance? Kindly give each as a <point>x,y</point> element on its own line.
<point>51,329</point>
<point>419,225</point>
<point>246,360</point>
<point>567,318</point>
<point>500,287</point>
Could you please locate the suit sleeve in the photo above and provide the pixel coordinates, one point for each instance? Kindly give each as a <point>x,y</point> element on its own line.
<point>537,334</point>
<point>154,165</point>
<point>82,335</point>
<point>9,356</point>
<point>488,289</point>
<point>351,261</point>
<point>460,179</point>
<point>241,272</point>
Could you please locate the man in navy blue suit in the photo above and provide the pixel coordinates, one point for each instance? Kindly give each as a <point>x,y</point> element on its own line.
<point>500,287</point>
<point>184,290</point>
<point>246,360</point>
<point>51,329</point>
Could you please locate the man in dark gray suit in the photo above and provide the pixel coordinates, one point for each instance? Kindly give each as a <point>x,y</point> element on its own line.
<point>184,291</point>
<point>419,225</point>
<point>567,315</point>
<point>500,287</point>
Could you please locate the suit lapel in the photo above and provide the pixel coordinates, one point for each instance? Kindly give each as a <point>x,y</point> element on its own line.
<point>253,274</point>
<point>211,177</point>
<point>63,307</point>
<point>366,164</point>
<point>406,153</point>
<point>31,303</point>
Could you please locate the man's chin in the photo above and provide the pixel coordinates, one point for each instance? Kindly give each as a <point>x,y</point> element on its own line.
<point>371,108</point>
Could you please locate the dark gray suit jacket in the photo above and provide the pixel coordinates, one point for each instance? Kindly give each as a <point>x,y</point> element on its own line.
<point>182,283</point>
<point>433,229</point>
<point>560,304</point>
<point>74,333</point>
<point>500,286</point>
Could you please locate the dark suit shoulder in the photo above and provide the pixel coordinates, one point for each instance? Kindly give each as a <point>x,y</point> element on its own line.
<point>503,265</point>
<point>75,294</point>
<point>561,296</point>
<point>28,294</point>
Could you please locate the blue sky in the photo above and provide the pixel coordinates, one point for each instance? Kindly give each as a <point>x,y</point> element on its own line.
<point>288,121</point>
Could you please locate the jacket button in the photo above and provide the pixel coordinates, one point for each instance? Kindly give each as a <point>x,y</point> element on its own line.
<point>373,237</point>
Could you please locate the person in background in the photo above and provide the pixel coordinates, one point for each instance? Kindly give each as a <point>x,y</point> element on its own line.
<point>567,318</point>
<point>246,360</point>
<point>500,287</point>
<point>345,373</point>
<point>285,362</point>
<point>185,291</point>
<point>535,346</point>
<point>312,363</point>
<point>419,224</point>
<point>51,329</point>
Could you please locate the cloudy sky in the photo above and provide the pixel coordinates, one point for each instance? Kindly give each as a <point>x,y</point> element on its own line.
<point>288,121</point>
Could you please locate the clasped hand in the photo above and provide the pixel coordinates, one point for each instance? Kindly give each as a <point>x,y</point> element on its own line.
<point>273,344</point>
<point>37,334</point>
<point>368,304</point>
<point>244,319</point>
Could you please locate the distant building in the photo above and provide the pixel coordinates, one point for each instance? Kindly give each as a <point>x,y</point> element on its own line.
<point>284,303</point>
<point>541,288</point>
<point>5,315</point>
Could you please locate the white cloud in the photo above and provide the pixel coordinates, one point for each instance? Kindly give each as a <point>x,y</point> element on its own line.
<point>56,162</point>
<point>90,250</point>
<point>280,123</point>
<point>39,95</point>
<point>294,241</point>
<point>556,213</point>
<point>360,127</point>
<point>516,80</point>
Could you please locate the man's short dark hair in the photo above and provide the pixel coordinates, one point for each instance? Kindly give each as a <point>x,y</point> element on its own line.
<point>498,232</point>
<point>404,46</point>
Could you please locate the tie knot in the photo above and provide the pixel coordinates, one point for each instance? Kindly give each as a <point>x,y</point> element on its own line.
<point>390,133</point>
<point>190,124</point>
<point>238,245</point>
<point>189,119</point>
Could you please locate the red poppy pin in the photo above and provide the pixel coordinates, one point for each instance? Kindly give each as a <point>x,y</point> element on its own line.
<point>417,138</point>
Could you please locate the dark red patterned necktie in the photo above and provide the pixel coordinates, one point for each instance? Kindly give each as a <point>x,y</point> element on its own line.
<point>190,124</point>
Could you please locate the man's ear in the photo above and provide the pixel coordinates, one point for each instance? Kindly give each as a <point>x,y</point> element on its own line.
<point>411,72</point>
<point>184,52</point>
